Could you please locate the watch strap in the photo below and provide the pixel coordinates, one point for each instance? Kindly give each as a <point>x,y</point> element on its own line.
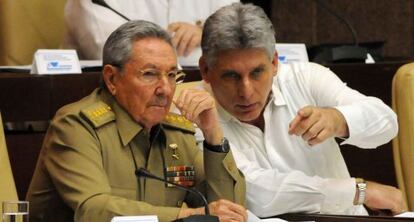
<point>361,187</point>
<point>223,147</point>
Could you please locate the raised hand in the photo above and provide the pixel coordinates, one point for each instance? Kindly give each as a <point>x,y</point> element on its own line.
<point>185,37</point>
<point>315,124</point>
<point>199,107</point>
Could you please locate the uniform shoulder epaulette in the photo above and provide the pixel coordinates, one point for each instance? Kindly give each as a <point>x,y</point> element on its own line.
<point>98,114</point>
<point>179,122</point>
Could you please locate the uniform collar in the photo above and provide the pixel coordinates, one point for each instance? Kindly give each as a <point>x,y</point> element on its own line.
<point>127,127</point>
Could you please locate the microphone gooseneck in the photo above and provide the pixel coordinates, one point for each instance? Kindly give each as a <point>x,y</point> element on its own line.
<point>325,6</point>
<point>141,172</point>
<point>104,4</point>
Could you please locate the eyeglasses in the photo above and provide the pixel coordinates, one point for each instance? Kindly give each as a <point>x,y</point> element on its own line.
<point>152,76</point>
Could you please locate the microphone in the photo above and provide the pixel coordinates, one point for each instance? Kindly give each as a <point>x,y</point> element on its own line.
<point>104,4</point>
<point>338,52</point>
<point>141,172</point>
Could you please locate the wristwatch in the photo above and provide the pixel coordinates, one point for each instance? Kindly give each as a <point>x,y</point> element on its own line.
<point>223,147</point>
<point>361,187</point>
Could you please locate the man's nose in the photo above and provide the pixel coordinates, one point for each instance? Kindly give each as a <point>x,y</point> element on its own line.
<point>245,89</point>
<point>164,86</point>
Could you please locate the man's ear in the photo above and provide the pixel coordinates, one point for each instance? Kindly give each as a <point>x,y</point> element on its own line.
<point>275,63</point>
<point>203,68</point>
<point>109,76</point>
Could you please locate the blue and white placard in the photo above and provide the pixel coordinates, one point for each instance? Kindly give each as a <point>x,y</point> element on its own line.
<point>292,52</point>
<point>55,61</point>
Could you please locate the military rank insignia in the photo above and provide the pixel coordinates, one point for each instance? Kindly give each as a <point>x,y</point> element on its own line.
<point>182,175</point>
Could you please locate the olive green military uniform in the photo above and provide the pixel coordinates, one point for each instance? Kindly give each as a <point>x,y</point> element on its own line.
<point>86,170</point>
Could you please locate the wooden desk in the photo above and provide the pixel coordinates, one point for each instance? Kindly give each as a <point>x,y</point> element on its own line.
<point>25,97</point>
<point>340,218</point>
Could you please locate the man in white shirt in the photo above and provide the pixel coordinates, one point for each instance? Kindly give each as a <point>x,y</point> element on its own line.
<point>282,121</point>
<point>89,25</point>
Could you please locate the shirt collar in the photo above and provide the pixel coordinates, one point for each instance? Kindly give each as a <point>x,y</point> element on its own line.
<point>127,127</point>
<point>277,96</point>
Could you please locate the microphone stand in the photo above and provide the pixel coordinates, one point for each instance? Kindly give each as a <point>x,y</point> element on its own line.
<point>104,4</point>
<point>340,52</point>
<point>141,172</point>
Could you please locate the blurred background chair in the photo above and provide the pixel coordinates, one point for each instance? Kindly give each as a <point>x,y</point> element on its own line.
<point>7,185</point>
<point>403,144</point>
<point>26,26</point>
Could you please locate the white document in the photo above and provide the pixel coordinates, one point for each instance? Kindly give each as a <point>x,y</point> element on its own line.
<point>253,218</point>
<point>292,52</point>
<point>59,61</point>
<point>151,218</point>
<point>406,214</point>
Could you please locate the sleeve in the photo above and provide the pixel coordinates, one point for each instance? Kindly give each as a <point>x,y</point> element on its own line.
<point>74,163</point>
<point>88,27</point>
<point>224,180</point>
<point>272,192</point>
<point>217,4</point>
<point>370,122</point>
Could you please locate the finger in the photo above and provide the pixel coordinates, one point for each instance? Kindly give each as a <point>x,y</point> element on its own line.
<point>193,102</point>
<point>294,124</point>
<point>236,208</point>
<point>203,104</point>
<point>322,136</point>
<point>184,41</point>
<point>239,210</point>
<point>176,38</point>
<point>194,42</point>
<point>190,101</point>
<point>304,125</point>
<point>178,35</point>
<point>225,214</point>
<point>231,217</point>
<point>173,27</point>
<point>180,101</point>
<point>313,130</point>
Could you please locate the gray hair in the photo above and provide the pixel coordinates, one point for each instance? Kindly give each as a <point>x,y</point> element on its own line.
<point>237,26</point>
<point>118,47</point>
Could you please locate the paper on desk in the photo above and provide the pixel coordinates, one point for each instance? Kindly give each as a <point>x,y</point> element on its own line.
<point>406,214</point>
<point>90,63</point>
<point>253,218</point>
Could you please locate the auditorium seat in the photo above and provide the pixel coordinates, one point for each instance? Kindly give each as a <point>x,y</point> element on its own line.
<point>7,185</point>
<point>26,26</point>
<point>403,144</point>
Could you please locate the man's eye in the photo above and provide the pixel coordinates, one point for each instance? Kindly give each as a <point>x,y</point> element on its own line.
<point>231,75</point>
<point>172,75</point>
<point>256,73</point>
<point>150,74</point>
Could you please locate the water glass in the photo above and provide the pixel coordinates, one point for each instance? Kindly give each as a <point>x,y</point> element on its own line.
<point>15,211</point>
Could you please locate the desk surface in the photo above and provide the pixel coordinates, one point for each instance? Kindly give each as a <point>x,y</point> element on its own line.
<point>340,218</point>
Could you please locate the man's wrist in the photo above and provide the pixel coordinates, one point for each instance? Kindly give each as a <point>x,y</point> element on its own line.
<point>213,136</point>
<point>223,147</point>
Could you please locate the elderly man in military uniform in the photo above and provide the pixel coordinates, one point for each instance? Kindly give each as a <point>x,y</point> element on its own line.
<point>87,166</point>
